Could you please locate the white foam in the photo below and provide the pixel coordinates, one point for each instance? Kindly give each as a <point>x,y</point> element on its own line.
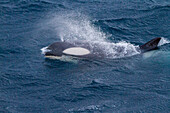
<point>44,50</point>
<point>163,41</point>
<point>118,50</point>
<point>86,108</point>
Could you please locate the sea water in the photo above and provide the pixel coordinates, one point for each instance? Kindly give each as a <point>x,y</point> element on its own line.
<point>123,82</point>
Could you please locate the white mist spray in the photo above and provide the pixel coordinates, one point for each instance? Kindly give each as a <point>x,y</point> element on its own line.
<point>74,26</point>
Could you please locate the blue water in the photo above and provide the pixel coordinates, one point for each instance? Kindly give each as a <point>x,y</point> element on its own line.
<point>138,83</point>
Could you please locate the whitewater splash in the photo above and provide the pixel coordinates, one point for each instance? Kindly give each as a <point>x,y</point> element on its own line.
<point>44,50</point>
<point>77,27</point>
<point>163,41</point>
<point>117,50</point>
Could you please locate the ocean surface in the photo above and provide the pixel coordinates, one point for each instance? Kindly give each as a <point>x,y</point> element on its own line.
<point>124,82</point>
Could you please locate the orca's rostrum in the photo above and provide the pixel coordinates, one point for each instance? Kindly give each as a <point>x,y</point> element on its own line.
<point>84,49</point>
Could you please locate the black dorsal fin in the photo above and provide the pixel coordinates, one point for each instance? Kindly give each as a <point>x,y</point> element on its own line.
<point>151,45</point>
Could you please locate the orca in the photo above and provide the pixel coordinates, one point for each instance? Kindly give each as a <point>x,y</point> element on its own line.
<point>84,49</point>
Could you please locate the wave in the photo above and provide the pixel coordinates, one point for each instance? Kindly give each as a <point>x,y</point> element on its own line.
<point>30,6</point>
<point>44,50</point>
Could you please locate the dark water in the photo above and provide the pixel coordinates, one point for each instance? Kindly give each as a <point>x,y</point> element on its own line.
<point>118,84</point>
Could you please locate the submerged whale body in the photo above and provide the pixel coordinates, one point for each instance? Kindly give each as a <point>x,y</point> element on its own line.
<point>85,49</point>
